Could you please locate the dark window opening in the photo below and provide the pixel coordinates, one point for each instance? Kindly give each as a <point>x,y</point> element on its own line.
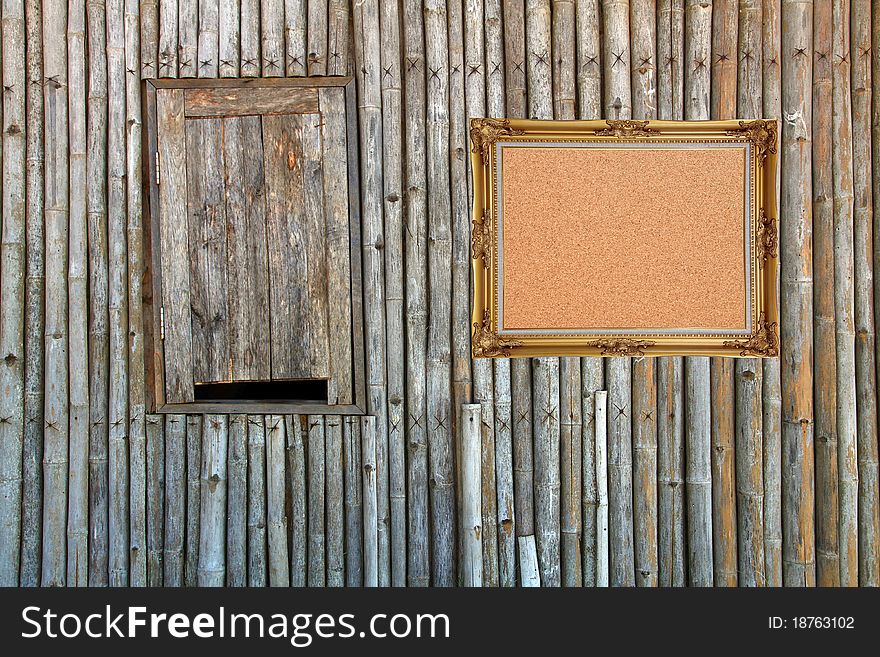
<point>301,390</point>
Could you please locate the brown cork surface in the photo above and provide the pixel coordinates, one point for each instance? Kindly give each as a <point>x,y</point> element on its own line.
<point>623,238</point>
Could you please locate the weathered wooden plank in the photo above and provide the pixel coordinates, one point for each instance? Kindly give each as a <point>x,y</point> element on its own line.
<point>175,500</point>
<point>297,519</point>
<point>334,501</point>
<point>249,101</point>
<point>354,518</point>
<point>276,521</point>
<point>471,516</point>
<point>174,247</point>
<point>208,279</point>
<point>257,571</point>
<point>236,501</point>
<point>247,295</point>
<point>155,496</point>
<point>315,476</point>
<point>212,512</point>
<point>194,430</point>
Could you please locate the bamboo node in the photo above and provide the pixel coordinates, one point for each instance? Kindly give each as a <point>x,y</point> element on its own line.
<point>626,128</point>
<point>481,240</point>
<point>763,342</point>
<point>767,237</point>
<point>485,132</point>
<point>761,133</point>
<point>486,342</point>
<point>621,346</point>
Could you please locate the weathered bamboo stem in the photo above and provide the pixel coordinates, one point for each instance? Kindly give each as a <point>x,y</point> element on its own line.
<point>772,392</point>
<point>354,518</point>
<point>56,412</point>
<point>672,566</point>
<point>256,511</point>
<point>338,36</point>
<point>471,515</point>
<point>589,65</point>
<point>866,382</point>
<point>796,282</point>
<point>749,475</point>
<point>721,370</point>
<point>670,59</point>
<point>334,496</point>
<point>296,519</point>
<point>392,178</point>
<point>315,476</point>
<point>187,38</point>
<point>875,151</point>
<point>168,33</point>
<point>175,499</point>
<point>155,493</point>
<point>564,88</point>
<point>825,365</point>
<point>208,38</point>
<point>600,416</point>
<point>515,57</point>
<point>643,45</point>
<point>236,510</point>
<point>149,40</point>
<point>528,561</point>
<point>367,50</point>
<point>276,521</point>
<point>620,495</point>
<point>250,38</point>
<point>844,320</point>
<point>229,38</point>
<point>370,501</point>
<point>32,476</point>
<point>316,37</point>
<point>194,429</point>
<point>616,57</point>
<point>12,286</point>
<point>287,49</point>
<point>418,561</point>
<point>212,520</point>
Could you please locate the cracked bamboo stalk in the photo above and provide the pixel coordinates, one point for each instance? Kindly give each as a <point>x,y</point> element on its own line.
<point>257,561</point>
<point>175,500</point>
<point>169,14</point>
<point>315,476</point>
<point>187,38</point>
<point>288,48</point>
<point>250,38</point>
<point>354,517</point>
<point>338,35</point>
<point>370,501</point>
<point>155,494</point>
<point>212,511</point>
<point>207,64</point>
<point>236,511</point>
<point>149,41</point>
<point>600,415</point>
<point>229,28</point>
<point>471,515</point>
<point>316,37</point>
<point>294,521</point>
<point>194,428</point>
<point>334,497</point>
<point>278,430</point>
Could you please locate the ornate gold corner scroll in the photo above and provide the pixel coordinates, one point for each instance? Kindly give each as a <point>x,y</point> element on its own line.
<point>767,238</point>
<point>626,128</point>
<point>487,343</point>
<point>481,240</point>
<point>761,133</point>
<point>485,132</point>
<point>621,346</point>
<point>763,342</point>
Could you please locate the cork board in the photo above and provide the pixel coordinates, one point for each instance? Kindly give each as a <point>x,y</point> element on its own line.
<point>624,238</point>
<point>630,238</point>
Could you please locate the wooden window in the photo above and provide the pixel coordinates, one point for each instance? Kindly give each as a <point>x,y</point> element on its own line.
<point>253,238</point>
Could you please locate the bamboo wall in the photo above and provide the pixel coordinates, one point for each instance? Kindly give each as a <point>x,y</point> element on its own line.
<point>719,472</point>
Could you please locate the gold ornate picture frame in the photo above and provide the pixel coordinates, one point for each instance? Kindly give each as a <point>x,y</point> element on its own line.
<point>624,238</point>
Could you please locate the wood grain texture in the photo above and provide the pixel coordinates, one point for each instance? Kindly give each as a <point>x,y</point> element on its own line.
<point>234,101</point>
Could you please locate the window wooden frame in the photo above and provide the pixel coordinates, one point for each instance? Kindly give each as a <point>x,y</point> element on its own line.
<point>154,322</point>
<point>759,338</point>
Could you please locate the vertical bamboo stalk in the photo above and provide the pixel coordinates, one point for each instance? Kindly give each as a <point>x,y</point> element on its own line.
<point>155,493</point>
<point>418,562</point>
<point>212,517</point>
<point>208,38</point>
<point>721,370</point>
<point>99,354</point>
<point>844,320</point>
<point>250,38</point>
<point>796,282</point>
<point>563,30</point>
<point>370,501</point>
<point>698,400</point>
<point>392,178</point>
<point>55,446</point>
<point>229,37</point>
<point>295,522</point>
<point>367,49</point>
<point>12,269</point>
<point>175,500</point>
<point>187,38</point>
<point>825,365</point>
<point>32,479</point>
<point>528,561</point>
<point>168,34</point>
<point>315,477</point>
<point>620,495</point>
<point>276,520</point>
<point>875,152</point>
<point>515,57</point>
<point>643,44</point>
<point>354,518</point>
<point>334,497</point>
<point>256,491</point>
<point>316,36</point>
<point>471,516</point>
<point>600,415</point>
<point>290,47</point>
<point>194,428</point>
<point>236,501</point>
<point>670,59</point>
<point>866,382</point>
<point>772,392</point>
<point>589,65</point>
<point>616,59</point>
<point>149,26</point>
<point>338,36</point>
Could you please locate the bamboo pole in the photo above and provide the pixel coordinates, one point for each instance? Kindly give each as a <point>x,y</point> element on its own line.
<point>439,410</point>
<point>844,320</point>
<point>257,563</point>
<point>354,518</point>
<point>250,38</point>
<point>416,245</point>
<point>208,38</point>
<point>338,36</point>
<point>276,520</point>
<point>471,516</point>
<point>149,26</point>
<point>194,429</point>
<point>600,415</point>
<point>393,187</point>
<point>620,494</point>
<point>56,413</point>
<point>175,500</point>
<point>563,32</point>
<point>334,496</point>
<point>155,493</point>
<point>589,65</point>
<point>866,382</point>
<point>187,38</point>
<point>616,60</point>
<point>868,456</point>
<point>315,476</point>
<point>168,33</point>
<point>136,360</point>
<point>212,512</point>
<point>12,287</point>
<point>772,392</point>
<point>294,523</point>
<point>528,561</point>
<point>515,57</point>
<point>32,476</point>
<point>825,365</point>
<point>316,36</point>
<point>796,338</point>
<point>367,48</point>
<point>229,25</point>
<point>670,59</point>
<point>99,355</point>
<point>236,501</point>
<point>289,47</point>
<point>370,501</point>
